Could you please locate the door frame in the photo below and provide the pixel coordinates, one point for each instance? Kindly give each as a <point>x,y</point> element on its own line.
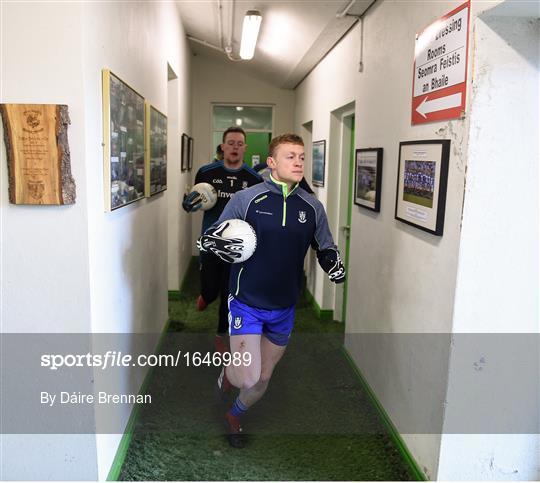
<point>342,134</point>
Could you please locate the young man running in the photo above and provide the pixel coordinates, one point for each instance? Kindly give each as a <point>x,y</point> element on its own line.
<point>227,176</point>
<point>265,288</point>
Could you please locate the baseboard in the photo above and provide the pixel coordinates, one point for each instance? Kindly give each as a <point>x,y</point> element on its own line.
<point>389,425</point>
<point>322,314</point>
<point>121,452</point>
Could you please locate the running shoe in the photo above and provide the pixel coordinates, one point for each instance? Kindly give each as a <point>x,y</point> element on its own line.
<point>234,431</point>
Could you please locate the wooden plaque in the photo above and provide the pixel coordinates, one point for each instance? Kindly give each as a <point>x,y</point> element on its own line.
<point>39,167</point>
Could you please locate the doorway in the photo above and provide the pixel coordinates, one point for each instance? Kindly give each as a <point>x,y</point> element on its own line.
<point>342,132</point>
<point>256,120</point>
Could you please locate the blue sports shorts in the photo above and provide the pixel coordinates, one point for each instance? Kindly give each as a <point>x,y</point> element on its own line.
<point>276,325</point>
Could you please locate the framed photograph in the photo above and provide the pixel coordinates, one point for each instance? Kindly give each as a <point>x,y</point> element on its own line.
<point>368,178</point>
<point>156,140</point>
<point>123,140</point>
<point>190,153</point>
<point>319,154</point>
<point>421,184</point>
<point>185,152</point>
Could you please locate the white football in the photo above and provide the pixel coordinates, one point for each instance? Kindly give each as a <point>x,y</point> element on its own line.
<point>241,229</point>
<point>208,195</point>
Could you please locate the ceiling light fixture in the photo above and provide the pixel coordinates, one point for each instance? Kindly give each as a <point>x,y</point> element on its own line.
<point>250,32</point>
<point>238,121</point>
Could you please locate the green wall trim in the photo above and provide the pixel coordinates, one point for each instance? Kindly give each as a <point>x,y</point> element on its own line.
<point>394,433</point>
<point>174,294</point>
<point>121,452</point>
<point>323,314</point>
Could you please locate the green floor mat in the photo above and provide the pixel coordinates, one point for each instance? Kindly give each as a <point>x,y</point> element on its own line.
<point>314,423</point>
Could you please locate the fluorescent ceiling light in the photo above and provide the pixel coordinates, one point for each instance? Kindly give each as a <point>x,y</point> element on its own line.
<point>238,121</point>
<point>250,32</point>
<point>239,108</point>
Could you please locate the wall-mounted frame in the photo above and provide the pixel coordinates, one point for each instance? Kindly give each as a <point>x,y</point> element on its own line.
<point>190,154</point>
<point>123,140</point>
<point>319,156</point>
<point>185,152</point>
<point>421,184</point>
<point>156,159</point>
<point>368,178</point>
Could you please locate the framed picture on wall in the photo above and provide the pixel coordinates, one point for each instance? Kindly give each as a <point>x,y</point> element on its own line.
<point>190,153</point>
<point>184,153</point>
<point>368,178</point>
<point>319,154</point>
<point>124,142</point>
<point>156,139</point>
<point>421,184</point>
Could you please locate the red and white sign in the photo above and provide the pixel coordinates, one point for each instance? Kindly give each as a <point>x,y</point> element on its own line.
<point>440,68</point>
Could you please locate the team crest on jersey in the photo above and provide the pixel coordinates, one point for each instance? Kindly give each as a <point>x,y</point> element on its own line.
<point>237,322</point>
<point>244,184</point>
<point>302,216</point>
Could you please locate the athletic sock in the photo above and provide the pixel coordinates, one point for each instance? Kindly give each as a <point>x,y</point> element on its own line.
<point>238,408</point>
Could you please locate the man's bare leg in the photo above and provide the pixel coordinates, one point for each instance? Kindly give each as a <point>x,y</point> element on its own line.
<point>270,356</point>
<point>244,376</point>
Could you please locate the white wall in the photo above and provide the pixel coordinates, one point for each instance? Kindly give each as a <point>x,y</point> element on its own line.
<point>78,268</point>
<point>219,81</point>
<point>386,254</point>
<point>129,246</point>
<point>179,223</point>
<point>45,284</point>
<point>497,281</point>
<point>402,280</point>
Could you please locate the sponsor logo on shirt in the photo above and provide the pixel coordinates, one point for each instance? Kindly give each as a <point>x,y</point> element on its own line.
<point>259,212</point>
<point>223,194</point>
<point>261,198</point>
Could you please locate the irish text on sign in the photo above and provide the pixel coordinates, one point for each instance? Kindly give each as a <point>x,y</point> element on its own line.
<point>440,68</point>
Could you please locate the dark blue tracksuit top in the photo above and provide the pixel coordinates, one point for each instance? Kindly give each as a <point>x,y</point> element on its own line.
<point>286,225</point>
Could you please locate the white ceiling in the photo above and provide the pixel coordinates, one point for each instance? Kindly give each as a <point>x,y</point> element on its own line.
<point>294,36</point>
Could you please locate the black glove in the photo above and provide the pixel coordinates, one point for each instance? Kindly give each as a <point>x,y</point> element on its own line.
<point>228,249</point>
<point>331,263</point>
<point>192,202</point>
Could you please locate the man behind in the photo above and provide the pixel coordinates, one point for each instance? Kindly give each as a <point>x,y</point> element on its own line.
<point>264,289</point>
<point>227,176</point>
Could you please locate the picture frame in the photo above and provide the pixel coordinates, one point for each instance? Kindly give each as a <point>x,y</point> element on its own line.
<point>190,154</point>
<point>422,183</point>
<point>156,159</point>
<point>184,153</point>
<point>368,178</point>
<point>319,158</point>
<point>124,142</point>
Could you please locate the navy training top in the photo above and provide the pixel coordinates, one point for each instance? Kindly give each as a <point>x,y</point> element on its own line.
<point>227,182</point>
<point>286,224</point>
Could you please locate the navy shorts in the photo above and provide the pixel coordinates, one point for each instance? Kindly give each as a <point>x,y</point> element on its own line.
<point>276,325</point>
